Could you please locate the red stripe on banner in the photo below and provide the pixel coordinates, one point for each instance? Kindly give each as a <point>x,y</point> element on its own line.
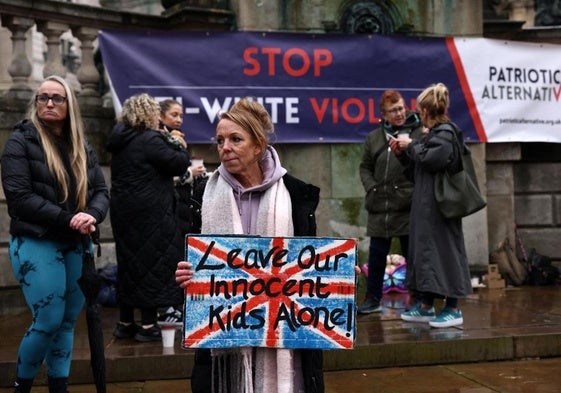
<point>465,88</point>
<point>271,333</point>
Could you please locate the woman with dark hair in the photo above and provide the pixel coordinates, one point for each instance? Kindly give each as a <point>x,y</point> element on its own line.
<point>56,196</point>
<point>171,120</point>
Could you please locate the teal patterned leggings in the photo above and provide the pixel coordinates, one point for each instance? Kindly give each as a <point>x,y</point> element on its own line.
<point>48,272</point>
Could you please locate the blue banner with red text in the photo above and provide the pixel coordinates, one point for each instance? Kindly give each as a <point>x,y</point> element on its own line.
<point>325,88</point>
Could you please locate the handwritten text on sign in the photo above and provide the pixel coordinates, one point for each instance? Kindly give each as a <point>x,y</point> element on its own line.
<point>270,292</point>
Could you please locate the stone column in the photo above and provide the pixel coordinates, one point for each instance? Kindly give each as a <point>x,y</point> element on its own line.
<point>457,18</point>
<point>5,56</point>
<point>53,63</point>
<point>20,67</point>
<point>500,190</point>
<point>464,18</point>
<point>259,15</point>
<point>88,76</point>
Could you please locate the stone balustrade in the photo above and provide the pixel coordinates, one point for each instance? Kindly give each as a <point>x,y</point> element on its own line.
<point>54,18</point>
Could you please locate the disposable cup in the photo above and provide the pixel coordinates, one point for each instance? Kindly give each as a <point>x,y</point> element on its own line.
<point>402,136</point>
<point>168,351</point>
<point>168,335</point>
<point>195,161</point>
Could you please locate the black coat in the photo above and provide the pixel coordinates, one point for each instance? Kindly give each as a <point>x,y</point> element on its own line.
<point>33,194</point>
<point>437,255</point>
<point>388,191</point>
<point>305,199</point>
<point>143,216</point>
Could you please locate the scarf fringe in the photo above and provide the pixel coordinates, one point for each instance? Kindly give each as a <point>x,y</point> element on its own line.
<point>274,368</point>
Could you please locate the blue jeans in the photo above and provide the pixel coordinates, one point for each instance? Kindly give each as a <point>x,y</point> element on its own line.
<point>48,272</point>
<point>377,256</point>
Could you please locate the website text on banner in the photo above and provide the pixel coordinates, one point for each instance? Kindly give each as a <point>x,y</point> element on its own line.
<point>270,292</point>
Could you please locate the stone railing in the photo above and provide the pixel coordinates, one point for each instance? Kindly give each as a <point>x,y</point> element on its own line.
<point>57,20</point>
<point>54,18</point>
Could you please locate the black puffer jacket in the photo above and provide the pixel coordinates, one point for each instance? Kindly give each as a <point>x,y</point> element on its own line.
<point>143,216</point>
<point>305,199</point>
<point>33,194</point>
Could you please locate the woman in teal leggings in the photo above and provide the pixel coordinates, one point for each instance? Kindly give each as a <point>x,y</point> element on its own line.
<point>48,272</point>
<point>56,196</point>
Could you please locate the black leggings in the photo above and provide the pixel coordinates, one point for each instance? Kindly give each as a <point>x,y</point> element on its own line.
<point>148,316</point>
<point>428,299</point>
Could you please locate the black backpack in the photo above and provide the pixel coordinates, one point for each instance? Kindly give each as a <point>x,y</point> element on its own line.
<point>541,270</point>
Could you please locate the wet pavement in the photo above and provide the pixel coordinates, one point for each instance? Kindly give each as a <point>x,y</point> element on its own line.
<point>524,376</point>
<point>510,342</point>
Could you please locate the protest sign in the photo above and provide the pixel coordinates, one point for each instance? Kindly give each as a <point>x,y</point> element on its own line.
<point>290,292</point>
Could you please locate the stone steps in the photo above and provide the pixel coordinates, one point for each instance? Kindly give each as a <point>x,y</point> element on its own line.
<point>509,324</point>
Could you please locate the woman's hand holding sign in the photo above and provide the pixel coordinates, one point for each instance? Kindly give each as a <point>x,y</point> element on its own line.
<point>183,273</point>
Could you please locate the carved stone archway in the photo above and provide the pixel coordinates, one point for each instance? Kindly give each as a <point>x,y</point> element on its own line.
<point>548,13</point>
<point>370,16</point>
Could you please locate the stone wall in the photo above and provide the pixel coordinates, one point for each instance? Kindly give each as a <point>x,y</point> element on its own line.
<point>537,205</point>
<point>519,189</point>
<point>525,189</point>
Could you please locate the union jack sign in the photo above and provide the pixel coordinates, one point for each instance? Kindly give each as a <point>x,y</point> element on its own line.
<point>289,292</point>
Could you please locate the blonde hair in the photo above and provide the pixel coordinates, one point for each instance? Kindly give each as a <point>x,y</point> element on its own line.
<point>252,117</point>
<point>74,130</point>
<point>435,99</point>
<point>141,112</point>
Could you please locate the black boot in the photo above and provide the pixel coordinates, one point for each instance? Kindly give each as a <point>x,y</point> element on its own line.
<point>23,385</point>
<point>58,385</point>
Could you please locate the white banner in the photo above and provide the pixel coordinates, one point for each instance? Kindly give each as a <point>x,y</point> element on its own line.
<point>516,87</point>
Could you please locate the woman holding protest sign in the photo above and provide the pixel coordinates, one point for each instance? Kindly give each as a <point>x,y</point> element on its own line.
<point>252,194</point>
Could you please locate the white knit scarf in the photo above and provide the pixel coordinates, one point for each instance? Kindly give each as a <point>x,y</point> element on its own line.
<point>274,368</point>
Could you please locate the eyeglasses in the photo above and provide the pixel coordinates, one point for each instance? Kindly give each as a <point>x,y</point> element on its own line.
<point>43,99</point>
<point>395,111</point>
